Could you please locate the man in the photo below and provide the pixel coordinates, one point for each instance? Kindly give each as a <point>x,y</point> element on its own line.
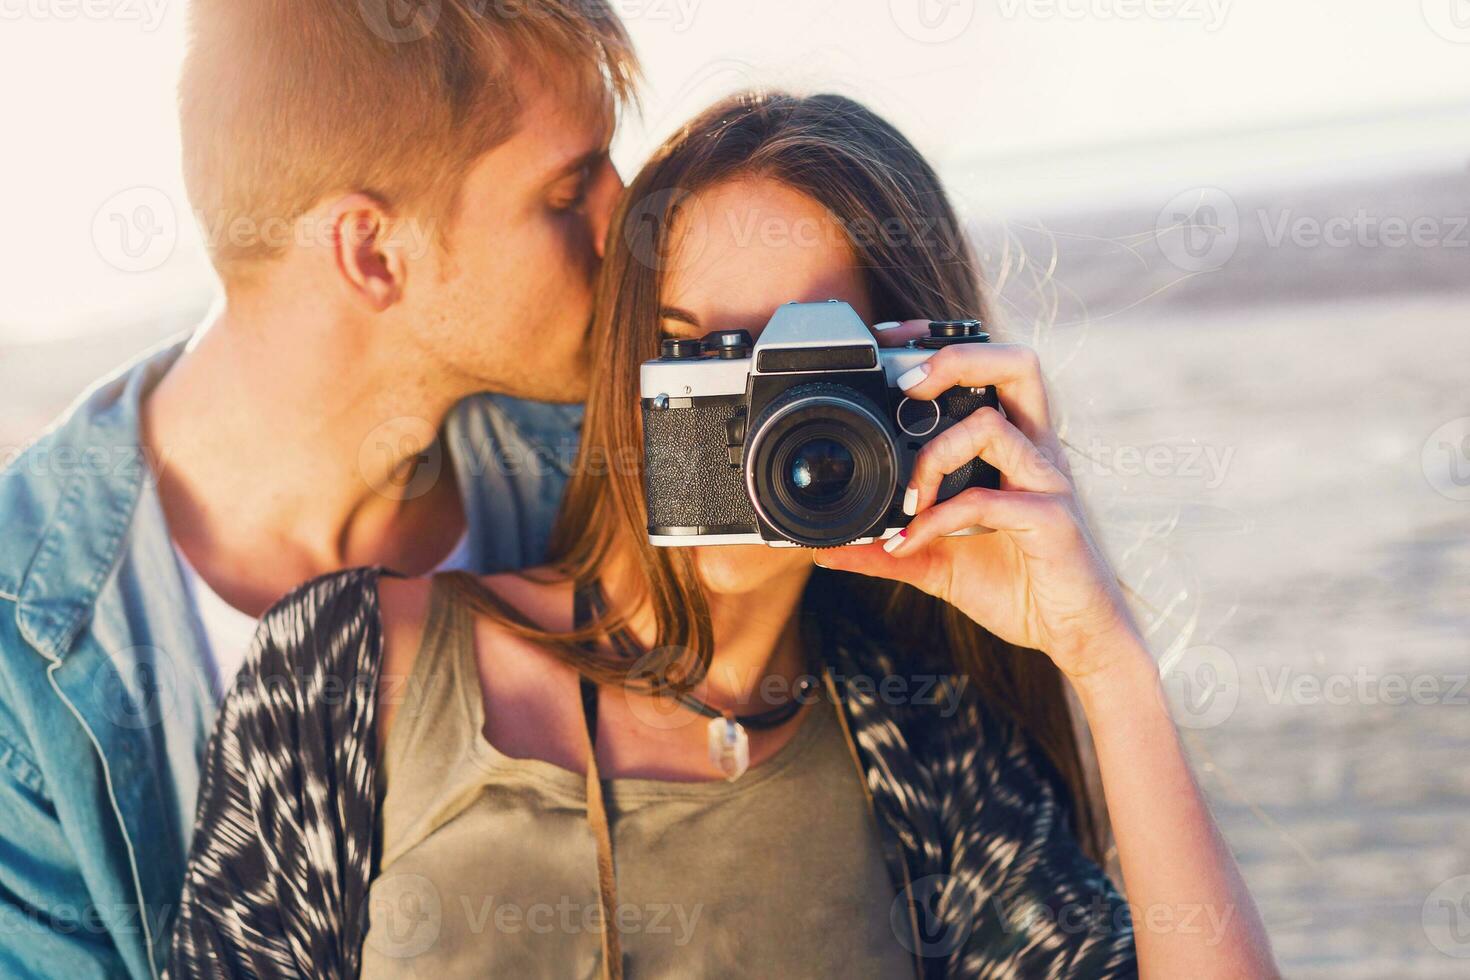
<point>403,213</point>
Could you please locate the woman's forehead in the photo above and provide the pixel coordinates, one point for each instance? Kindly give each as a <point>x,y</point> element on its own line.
<point>742,248</point>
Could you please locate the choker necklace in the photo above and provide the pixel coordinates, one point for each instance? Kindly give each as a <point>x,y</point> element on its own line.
<point>728,735</point>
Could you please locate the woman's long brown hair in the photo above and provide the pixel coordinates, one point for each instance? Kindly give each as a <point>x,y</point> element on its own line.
<point>916,261</point>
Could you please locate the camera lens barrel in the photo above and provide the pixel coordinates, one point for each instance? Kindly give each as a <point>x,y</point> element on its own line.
<point>821,465</point>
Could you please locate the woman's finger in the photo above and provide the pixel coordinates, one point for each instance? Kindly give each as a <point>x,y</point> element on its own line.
<point>1013,369</point>
<point>1017,512</point>
<point>990,436</point>
<point>897,333</point>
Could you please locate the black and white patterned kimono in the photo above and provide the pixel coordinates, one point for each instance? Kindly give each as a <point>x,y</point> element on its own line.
<point>974,822</point>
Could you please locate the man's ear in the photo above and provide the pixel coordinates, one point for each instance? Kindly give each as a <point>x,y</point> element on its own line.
<point>372,262</point>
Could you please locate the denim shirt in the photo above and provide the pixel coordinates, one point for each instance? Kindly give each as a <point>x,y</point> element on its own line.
<point>105,699</point>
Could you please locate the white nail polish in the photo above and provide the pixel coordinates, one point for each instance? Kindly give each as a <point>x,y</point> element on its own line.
<point>913,377</point>
<point>890,325</point>
<point>894,543</point>
<point>911,501</point>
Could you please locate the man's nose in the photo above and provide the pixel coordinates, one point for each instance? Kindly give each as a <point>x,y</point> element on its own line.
<point>601,204</point>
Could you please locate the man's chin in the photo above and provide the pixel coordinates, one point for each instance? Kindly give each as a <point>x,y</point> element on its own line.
<point>562,384</point>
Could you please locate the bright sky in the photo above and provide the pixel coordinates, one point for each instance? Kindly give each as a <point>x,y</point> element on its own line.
<point>1012,97</point>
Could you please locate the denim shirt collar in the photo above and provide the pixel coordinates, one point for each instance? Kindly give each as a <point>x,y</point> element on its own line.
<point>83,541</point>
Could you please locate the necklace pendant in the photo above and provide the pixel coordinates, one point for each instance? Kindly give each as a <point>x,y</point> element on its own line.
<point>729,747</point>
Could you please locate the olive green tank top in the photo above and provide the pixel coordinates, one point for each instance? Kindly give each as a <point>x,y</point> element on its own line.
<point>488,867</point>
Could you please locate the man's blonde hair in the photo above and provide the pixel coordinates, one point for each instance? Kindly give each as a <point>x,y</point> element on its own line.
<point>283,102</point>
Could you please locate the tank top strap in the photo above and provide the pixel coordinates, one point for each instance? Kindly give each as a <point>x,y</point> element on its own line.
<point>436,697</point>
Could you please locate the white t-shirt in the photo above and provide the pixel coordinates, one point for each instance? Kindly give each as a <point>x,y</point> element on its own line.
<point>228,631</point>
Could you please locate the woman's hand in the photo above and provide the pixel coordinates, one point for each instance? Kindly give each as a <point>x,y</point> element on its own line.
<point>1039,581</point>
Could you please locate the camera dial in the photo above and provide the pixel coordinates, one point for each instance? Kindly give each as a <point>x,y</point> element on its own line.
<point>729,344</point>
<point>943,333</point>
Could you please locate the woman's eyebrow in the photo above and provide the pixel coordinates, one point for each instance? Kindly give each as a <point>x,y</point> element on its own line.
<point>682,315</point>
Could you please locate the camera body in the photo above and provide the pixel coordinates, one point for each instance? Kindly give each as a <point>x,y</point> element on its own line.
<point>801,438</point>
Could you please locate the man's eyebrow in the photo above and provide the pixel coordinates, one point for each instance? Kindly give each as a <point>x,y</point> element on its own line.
<point>682,315</point>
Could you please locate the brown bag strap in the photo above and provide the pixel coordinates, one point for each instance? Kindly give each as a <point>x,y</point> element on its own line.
<point>607,887</point>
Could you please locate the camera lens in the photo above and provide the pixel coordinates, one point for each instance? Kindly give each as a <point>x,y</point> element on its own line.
<point>821,471</point>
<point>820,465</point>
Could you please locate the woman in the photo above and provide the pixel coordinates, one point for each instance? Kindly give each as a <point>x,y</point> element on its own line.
<point>465,776</point>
